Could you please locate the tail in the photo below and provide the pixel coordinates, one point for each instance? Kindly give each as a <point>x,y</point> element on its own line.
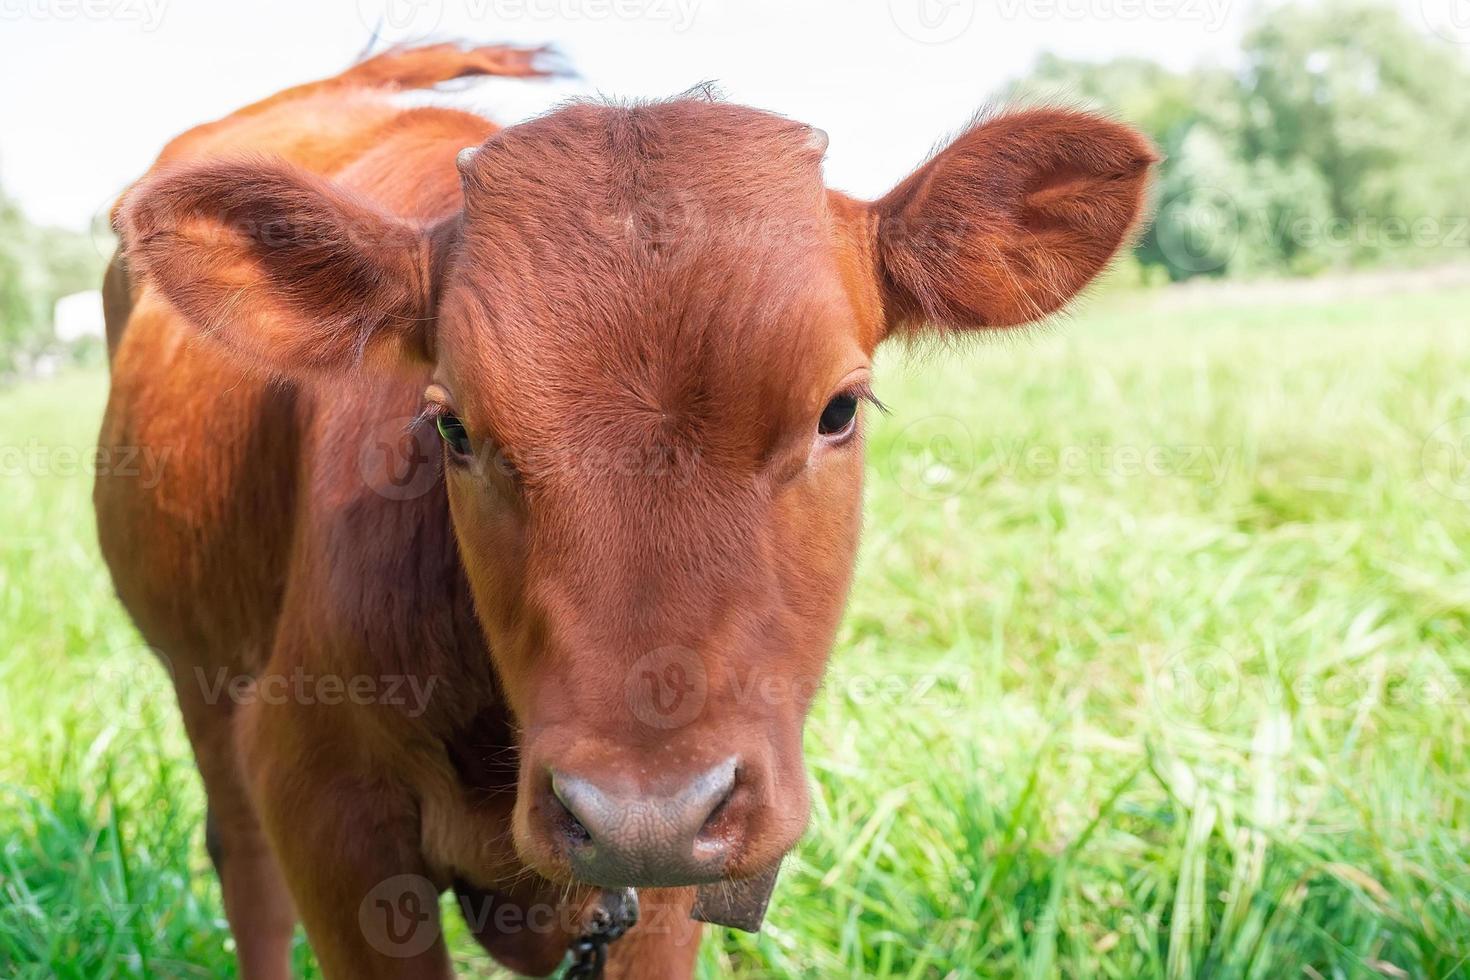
<point>405,67</point>
<point>396,69</point>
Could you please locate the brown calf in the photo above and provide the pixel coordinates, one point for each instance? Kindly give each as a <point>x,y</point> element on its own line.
<point>530,663</point>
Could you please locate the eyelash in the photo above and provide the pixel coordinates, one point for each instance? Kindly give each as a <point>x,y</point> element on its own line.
<point>433,411</point>
<point>863,392</point>
<point>497,461</point>
<point>430,415</point>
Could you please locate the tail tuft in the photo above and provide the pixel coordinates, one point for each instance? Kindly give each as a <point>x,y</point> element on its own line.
<point>408,67</point>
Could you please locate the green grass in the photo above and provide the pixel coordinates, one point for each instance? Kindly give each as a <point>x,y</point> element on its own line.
<point>1156,666</point>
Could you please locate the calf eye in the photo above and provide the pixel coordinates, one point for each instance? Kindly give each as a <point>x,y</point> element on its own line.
<point>837,418</point>
<point>453,432</point>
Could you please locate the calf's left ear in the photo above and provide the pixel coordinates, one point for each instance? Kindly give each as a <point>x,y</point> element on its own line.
<point>284,268</point>
<point>1009,221</point>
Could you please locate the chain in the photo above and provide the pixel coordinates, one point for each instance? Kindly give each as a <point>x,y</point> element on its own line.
<point>589,958</point>
<point>589,950</point>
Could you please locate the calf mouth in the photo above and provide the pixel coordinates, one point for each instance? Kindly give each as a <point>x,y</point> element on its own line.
<point>614,911</point>
<point>736,904</point>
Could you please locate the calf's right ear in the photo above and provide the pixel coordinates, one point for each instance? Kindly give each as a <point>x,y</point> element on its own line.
<point>282,267</point>
<point>1007,223</point>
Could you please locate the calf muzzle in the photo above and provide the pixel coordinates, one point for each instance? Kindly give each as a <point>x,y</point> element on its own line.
<point>615,839</point>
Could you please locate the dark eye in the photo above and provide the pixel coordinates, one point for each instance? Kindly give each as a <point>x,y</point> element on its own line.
<point>838,416</point>
<point>453,432</point>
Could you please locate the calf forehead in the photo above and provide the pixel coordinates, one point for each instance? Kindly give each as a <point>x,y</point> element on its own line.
<point>658,268</point>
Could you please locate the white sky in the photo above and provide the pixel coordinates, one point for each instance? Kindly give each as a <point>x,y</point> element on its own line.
<point>91,89</point>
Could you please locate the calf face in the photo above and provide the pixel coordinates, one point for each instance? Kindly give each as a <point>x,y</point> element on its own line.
<point>649,333</point>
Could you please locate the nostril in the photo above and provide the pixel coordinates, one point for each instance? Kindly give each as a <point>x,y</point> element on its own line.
<point>572,829</point>
<point>646,838</point>
<point>565,819</point>
<point>710,797</point>
<point>711,826</point>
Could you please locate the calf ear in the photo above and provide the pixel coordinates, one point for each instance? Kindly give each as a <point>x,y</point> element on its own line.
<point>284,268</point>
<point>1010,220</point>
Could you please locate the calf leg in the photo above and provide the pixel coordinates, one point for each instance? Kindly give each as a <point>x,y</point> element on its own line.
<point>665,942</point>
<point>257,904</point>
<point>347,843</point>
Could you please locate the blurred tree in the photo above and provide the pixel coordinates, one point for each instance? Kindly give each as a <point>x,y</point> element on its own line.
<point>18,293</point>
<point>38,266</point>
<point>1379,109</point>
<point>1342,139</point>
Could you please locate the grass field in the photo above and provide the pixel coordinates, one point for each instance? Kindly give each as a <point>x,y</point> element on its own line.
<point>1157,664</point>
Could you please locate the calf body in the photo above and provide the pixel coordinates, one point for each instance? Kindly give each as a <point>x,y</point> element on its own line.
<point>259,554</point>
<point>499,480</point>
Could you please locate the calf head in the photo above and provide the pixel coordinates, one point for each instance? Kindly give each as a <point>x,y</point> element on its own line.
<point>647,335</point>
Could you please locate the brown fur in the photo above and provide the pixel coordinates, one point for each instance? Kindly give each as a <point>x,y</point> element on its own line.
<point>639,313</point>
